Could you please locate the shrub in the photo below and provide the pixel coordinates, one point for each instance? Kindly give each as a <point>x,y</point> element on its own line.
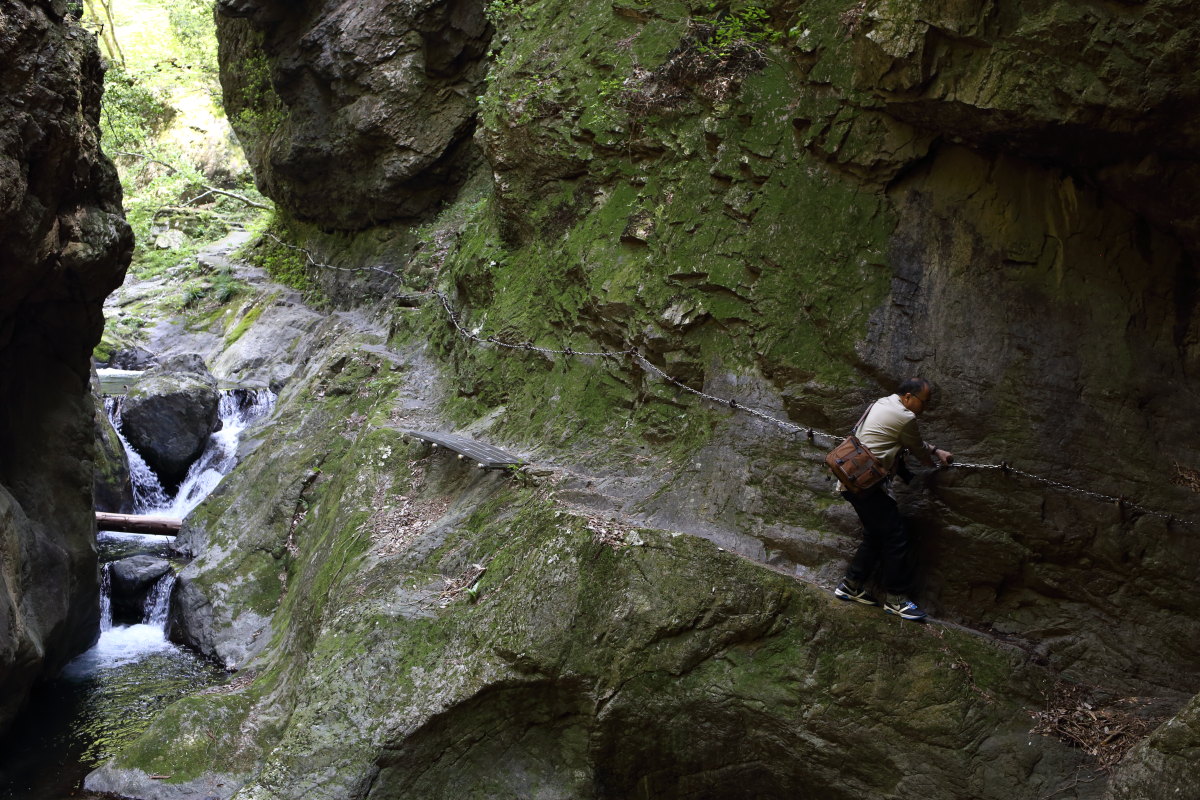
<point>132,113</point>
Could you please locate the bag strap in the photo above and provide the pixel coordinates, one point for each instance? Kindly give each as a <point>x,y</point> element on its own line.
<point>854,430</point>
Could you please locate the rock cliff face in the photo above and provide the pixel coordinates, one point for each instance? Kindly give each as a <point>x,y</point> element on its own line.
<point>64,245</point>
<point>355,113</point>
<point>598,660</point>
<point>793,205</point>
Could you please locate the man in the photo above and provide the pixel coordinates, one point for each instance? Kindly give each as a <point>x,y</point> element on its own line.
<point>889,426</point>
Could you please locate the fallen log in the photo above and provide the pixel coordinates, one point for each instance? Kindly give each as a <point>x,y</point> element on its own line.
<point>138,523</point>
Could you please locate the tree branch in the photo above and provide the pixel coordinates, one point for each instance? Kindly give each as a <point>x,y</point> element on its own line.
<point>209,189</point>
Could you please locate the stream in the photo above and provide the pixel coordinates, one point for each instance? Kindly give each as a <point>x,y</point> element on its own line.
<point>108,695</point>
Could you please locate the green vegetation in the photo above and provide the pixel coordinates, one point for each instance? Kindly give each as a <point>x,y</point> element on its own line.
<point>497,11</point>
<point>120,331</point>
<point>162,123</point>
<point>258,108</point>
<point>192,25</point>
<point>133,112</point>
<point>185,185</point>
<point>723,35</point>
<point>217,287</point>
<point>272,250</point>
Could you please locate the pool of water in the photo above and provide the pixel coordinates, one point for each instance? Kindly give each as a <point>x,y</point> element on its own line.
<point>83,718</point>
<point>107,696</point>
<point>102,700</point>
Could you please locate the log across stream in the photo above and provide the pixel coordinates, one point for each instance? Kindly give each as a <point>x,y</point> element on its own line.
<point>138,523</point>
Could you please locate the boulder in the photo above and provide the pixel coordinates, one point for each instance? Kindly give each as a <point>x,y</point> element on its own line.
<point>132,579</point>
<point>184,362</point>
<point>169,416</point>
<point>137,574</point>
<point>132,358</point>
<point>384,90</point>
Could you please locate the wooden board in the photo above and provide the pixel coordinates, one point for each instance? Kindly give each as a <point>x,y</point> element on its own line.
<point>483,455</point>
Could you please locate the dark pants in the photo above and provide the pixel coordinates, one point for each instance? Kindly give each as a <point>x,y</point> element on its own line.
<point>885,541</point>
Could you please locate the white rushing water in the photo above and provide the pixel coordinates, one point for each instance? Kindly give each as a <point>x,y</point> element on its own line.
<point>105,598</point>
<point>158,601</point>
<point>238,409</point>
<point>123,644</point>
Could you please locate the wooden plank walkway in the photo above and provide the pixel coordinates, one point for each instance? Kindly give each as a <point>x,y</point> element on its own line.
<point>484,455</point>
<point>138,523</point>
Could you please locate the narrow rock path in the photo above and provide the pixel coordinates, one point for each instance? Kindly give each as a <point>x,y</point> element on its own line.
<point>614,502</point>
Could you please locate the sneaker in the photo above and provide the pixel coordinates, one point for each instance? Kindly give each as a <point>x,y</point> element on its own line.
<point>846,591</point>
<point>904,608</point>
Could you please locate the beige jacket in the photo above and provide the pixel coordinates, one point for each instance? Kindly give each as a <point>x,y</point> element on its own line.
<point>889,426</point>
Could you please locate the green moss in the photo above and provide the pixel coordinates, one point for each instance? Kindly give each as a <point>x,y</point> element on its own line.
<point>274,250</point>
<point>256,110</point>
<point>358,651</point>
<point>193,737</point>
<point>248,319</point>
<point>103,352</point>
<point>120,332</point>
<point>730,247</point>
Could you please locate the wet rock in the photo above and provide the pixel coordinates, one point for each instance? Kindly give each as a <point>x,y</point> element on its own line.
<point>132,580</point>
<point>191,622</point>
<point>133,358</point>
<point>184,362</point>
<point>113,488</point>
<point>169,415</point>
<point>64,246</point>
<point>137,573</point>
<point>134,783</point>
<point>259,355</point>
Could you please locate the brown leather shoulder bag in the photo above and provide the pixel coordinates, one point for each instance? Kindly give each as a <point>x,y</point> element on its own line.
<point>853,464</point>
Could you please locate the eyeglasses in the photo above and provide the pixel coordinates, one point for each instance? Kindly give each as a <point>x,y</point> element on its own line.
<point>926,400</point>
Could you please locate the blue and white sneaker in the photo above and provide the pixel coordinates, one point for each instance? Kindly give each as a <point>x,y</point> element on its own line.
<point>846,591</point>
<point>904,608</point>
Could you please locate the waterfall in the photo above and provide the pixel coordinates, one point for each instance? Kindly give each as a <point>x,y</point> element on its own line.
<point>158,601</point>
<point>148,493</point>
<point>124,644</point>
<point>106,622</point>
<point>238,408</point>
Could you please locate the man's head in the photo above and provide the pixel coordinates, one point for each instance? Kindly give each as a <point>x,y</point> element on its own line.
<point>915,394</point>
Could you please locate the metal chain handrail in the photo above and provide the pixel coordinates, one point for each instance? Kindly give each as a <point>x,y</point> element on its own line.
<point>1121,502</point>
<point>528,346</point>
<point>810,434</point>
<point>313,262</point>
